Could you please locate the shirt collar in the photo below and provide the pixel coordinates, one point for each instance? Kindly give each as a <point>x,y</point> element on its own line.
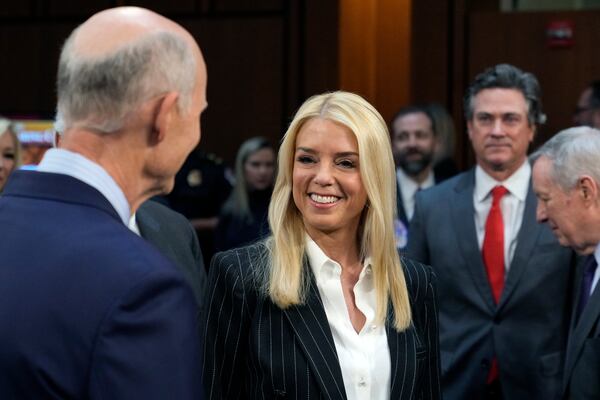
<point>61,161</point>
<point>409,185</point>
<point>517,184</point>
<point>324,267</point>
<point>133,225</point>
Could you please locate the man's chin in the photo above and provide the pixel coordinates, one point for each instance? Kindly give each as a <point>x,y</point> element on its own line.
<point>164,187</point>
<point>414,168</point>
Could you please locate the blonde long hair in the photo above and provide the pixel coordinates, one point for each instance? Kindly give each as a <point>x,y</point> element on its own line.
<point>7,127</point>
<point>238,203</point>
<point>285,281</point>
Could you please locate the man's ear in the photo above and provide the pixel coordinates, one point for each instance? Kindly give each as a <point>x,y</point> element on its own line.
<point>469,128</point>
<point>588,189</point>
<point>163,116</point>
<point>533,132</point>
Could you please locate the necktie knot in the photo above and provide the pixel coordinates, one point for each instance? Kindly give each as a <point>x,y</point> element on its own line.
<point>497,193</point>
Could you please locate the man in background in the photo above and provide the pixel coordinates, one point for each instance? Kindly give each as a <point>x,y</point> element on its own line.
<point>87,308</point>
<point>566,179</point>
<point>587,111</point>
<point>414,144</point>
<point>503,278</point>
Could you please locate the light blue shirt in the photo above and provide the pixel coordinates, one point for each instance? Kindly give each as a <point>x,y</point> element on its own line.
<point>60,161</point>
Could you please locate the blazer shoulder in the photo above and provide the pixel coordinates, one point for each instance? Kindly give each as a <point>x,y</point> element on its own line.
<point>457,182</point>
<point>246,262</point>
<point>160,212</point>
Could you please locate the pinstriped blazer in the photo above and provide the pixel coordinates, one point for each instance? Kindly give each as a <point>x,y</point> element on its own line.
<point>255,350</point>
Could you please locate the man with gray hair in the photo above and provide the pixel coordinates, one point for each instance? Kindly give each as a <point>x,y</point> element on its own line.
<point>503,278</point>
<point>87,308</point>
<point>566,180</point>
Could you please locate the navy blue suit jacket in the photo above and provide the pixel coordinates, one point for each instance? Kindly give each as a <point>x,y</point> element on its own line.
<point>88,310</point>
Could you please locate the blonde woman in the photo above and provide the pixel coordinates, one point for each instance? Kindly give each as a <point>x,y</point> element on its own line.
<point>10,154</point>
<point>243,217</point>
<point>325,307</point>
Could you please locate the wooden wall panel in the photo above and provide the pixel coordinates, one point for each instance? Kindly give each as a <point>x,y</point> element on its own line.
<point>357,47</point>
<point>245,78</point>
<point>15,9</point>
<point>321,38</point>
<point>430,52</point>
<point>164,7</point>
<point>264,58</point>
<point>519,39</point>
<point>29,67</point>
<point>375,51</point>
<point>82,9</point>
<point>470,35</point>
<point>248,5</point>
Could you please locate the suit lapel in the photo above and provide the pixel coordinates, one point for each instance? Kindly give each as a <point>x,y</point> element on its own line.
<point>401,345</point>
<point>581,328</point>
<point>526,240</point>
<point>463,216</point>
<point>310,325</point>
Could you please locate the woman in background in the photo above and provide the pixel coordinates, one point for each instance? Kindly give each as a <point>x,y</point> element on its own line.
<point>10,151</point>
<point>325,308</point>
<point>243,218</point>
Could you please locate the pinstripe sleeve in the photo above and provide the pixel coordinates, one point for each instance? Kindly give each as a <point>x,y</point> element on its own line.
<point>225,328</point>
<point>432,380</point>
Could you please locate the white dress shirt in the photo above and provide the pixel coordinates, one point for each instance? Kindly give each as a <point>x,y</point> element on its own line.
<point>512,205</point>
<point>409,189</point>
<point>61,161</point>
<point>133,226</point>
<point>364,357</point>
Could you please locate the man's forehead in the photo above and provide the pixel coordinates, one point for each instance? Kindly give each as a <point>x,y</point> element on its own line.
<point>500,101</point>
<point>412,121</point>
<point>541,171</point>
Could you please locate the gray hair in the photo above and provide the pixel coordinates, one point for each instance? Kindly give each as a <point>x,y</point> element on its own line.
<point>573,152</point>
<point>99,93</point>
<point>506,76</point>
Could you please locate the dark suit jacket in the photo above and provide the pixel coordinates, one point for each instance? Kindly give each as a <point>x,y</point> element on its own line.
<point>527,330</point>
<point>88,309</point>
<point>582,368</point>
<point>255,350</point>
<point>175,237</point>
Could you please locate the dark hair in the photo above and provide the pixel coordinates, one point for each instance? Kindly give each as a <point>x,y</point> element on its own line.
<point>413,109</point>
<point>508,76</point>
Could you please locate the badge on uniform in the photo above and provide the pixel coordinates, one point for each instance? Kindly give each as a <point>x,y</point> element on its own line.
<point>194,178</point>
<point>401,233</point>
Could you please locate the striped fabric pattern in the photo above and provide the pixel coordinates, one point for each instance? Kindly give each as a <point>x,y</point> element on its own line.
<point>255,350</point>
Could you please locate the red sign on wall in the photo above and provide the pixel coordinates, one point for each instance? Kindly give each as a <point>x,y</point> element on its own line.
<point>560,34</point>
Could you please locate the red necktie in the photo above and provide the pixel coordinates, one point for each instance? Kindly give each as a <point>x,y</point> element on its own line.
<point>493,257</point>
<point>493,244</point>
